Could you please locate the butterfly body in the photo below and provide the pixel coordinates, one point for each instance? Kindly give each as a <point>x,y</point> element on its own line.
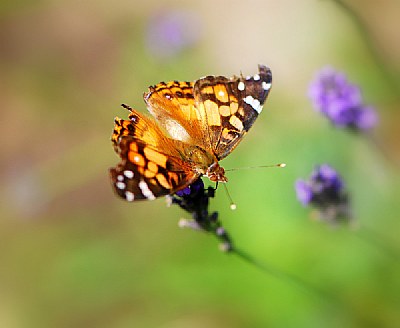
<point>195,125</point>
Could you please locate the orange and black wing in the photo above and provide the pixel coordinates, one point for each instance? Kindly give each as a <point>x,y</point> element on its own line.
<point>173,105</point>
<point>152,165</point>
<point>214,112</point>
<point>146,172</point>
<point>141,128</point>
<point>230,107</point>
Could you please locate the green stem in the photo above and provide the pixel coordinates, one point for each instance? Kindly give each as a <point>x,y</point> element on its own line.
<point>330,300</point>
<point>286,277</point>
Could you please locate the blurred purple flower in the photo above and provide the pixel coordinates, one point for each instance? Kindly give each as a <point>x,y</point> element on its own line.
<point>325,191</point>
<point>169,32</point>
<point>340,101</point>
<point>303,192</point>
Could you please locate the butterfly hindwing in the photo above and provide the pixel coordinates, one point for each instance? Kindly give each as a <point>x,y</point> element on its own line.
<point>147,173</point>
<point>144,129</point>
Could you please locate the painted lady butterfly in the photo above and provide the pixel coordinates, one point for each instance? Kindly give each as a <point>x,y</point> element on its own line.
<point>196,125</point>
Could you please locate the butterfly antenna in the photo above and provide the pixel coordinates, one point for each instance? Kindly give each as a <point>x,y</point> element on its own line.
<point>255,167</point>
<point>232,204</point>
<point>126,106</point>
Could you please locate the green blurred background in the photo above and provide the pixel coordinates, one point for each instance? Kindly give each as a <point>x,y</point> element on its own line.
<point>74,255</point>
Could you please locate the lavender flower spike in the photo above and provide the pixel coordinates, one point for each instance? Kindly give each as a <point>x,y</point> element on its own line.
<point>325,191</point>
<point>340,101</point>
<point>194,199</point>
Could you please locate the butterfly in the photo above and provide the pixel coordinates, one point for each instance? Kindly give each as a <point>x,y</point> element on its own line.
<point>194,126</point>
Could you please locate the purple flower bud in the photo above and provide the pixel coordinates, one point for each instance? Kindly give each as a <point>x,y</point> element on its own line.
<point>340,101</point>
<point>303,192</point>
<point>325,191</point>
<point>325,177</point>
<point>192,189</point>
<point>194,199</point>
<point>197,186</point>
<point>367,118</point>
<point>184,192</point>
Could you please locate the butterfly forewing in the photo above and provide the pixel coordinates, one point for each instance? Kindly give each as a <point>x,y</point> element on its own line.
<point>231,106</point>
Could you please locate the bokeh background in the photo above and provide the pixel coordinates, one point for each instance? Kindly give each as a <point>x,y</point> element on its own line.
<point>74,255</point>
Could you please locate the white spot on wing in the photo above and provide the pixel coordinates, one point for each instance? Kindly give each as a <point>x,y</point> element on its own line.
<point>266,86</point>
<point>120,178</point>
<point>146,190</point>
<point>120,185</point>
<point>241,86</point>
<point>176,131</point>
<point>255,103</point>
<point>256,77</point>
<point>128,174</point>
<point>129,196</point>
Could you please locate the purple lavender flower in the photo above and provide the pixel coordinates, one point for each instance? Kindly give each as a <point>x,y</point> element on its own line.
<point>194,188</point>
<point>184,192</point>
<point>340,101</point>
<point>194,199</point>
<point>325,191</point>
<point>171,31</point>
<point>303,191</point>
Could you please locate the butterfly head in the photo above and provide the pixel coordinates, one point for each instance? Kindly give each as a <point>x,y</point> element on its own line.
<point>216,173</point>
